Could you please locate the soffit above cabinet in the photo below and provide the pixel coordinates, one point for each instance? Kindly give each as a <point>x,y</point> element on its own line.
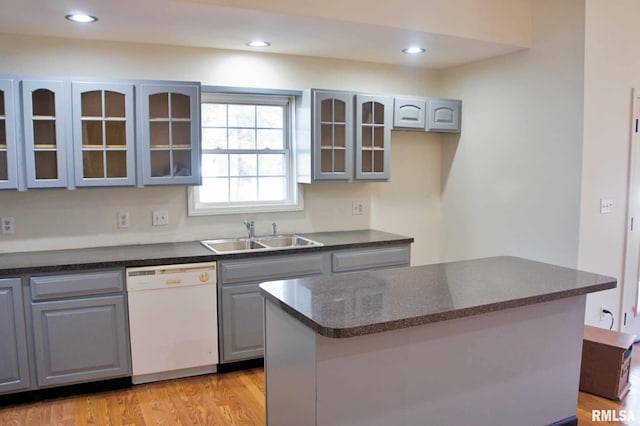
<point>453,31</point>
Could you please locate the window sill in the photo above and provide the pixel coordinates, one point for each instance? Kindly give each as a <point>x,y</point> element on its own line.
<point>229,209</point>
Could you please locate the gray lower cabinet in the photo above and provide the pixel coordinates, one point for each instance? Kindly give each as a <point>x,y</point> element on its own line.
<point>80,340</point>
<point>14,365</point>
<point>79,325</point>
<point>240,309</point>
<point>242,315</point>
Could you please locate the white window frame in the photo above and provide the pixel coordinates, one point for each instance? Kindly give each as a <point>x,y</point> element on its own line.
<point>295,201</point>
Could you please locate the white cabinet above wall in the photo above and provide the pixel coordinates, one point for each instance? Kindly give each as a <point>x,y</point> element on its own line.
<point>69,134</point>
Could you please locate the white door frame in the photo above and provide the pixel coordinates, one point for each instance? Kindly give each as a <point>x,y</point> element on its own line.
<point>629,319</point>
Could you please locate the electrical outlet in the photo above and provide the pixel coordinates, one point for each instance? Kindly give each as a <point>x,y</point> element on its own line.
<point>357,208</point>
<point>8,226</point>
<point>606,205</point>
<point>160,217</point>
<point>123,220</point>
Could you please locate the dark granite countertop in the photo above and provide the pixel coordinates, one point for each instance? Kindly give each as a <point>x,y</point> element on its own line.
<point>174,253</point>
<point>371,302</point>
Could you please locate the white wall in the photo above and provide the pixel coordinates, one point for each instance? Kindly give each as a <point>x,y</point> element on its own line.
<point>87,217</point>
<point>511,183</point>
<point>612,69</point>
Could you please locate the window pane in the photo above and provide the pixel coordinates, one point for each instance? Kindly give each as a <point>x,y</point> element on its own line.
<point>242,139</point>
<point>243,189</point>
<point>214,190</point>
<point>242,116</point>
<point>214,138</point>
<point>270,139</point>
<point>271,165</point>
<point>215,165</point>
<point>243,165</point>
<point>214,115</point>
<point>270,116</point>
<point>271,189</point>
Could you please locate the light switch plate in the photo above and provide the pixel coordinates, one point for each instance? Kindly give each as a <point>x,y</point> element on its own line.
<point>606,205</point>
<point>160,217</point>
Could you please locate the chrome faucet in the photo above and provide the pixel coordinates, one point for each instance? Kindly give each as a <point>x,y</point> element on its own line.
<point>251,227</point>
<point>275,229</point>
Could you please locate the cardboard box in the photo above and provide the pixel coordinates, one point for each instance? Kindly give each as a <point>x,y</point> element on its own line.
<point>606,361</point>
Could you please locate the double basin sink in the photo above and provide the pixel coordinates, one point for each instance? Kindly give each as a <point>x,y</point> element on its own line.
<point>243,245</point>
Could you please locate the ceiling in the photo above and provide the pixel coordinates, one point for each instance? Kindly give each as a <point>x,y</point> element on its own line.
<point>299,31</point>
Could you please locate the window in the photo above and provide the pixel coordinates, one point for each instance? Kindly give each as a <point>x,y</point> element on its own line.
<point>247,161</point>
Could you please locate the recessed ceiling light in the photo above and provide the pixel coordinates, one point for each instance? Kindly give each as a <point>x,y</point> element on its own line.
<point>81,18</point>
<point>258,43</point>
<point>414,50</point>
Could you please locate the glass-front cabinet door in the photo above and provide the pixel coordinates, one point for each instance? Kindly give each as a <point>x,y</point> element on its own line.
<point>374,115</point>
<point>169,120</point>
<point>45,106</point>
<point>8,141</point>
<point>103,134</point>
<point>333,136</point>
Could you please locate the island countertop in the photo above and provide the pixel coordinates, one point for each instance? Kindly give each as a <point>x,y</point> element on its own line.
<point>371,302</point>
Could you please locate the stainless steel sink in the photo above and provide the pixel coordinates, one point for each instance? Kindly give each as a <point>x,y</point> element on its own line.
<point>288,241</point>
<point>243,245</point>
<point>233,245</point>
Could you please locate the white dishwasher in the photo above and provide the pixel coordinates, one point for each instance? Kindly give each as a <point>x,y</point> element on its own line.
<point>173,321</point>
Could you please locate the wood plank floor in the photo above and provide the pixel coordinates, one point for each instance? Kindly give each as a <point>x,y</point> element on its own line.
<point>235,398</point>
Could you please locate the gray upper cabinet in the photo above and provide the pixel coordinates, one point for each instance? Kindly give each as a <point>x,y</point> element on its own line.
<point>373,137</point>
<point>332,135</point>
<point>103,134</point>
<point>14,364</point>
<point>45,108</point>
<point>409,113</point>
<point>169,134</point>
<point>444,115</point>
<point>8,135</point>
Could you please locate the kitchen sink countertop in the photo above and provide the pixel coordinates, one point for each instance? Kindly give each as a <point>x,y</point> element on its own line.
<point>172,253</point>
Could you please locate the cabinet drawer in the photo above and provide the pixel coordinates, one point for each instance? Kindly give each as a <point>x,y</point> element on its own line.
<point>356,260</point>
<point>271,268</point>
<point>78,284</point>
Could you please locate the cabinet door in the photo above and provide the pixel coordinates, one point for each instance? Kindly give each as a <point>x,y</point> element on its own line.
<point>409,113</point>
<point>103,134</point>
<point>14,367</point>
<point>45,107</point>
<point>242,323</point>
<point>333,136</point>
<point>8,137</point>
<point>373,135</point>
<point>80,340</point>
<point>169,117</point>
<point>444,115</point>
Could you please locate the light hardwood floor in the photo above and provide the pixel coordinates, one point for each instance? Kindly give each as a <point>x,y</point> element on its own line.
<point>235,398</point>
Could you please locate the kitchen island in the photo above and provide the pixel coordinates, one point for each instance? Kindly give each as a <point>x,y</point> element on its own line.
<point>485,342</point>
